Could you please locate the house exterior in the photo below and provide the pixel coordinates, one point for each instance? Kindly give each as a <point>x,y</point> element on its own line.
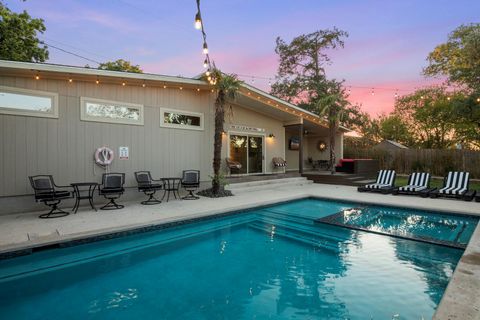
<point>53,118</point>
<point>390,146</point>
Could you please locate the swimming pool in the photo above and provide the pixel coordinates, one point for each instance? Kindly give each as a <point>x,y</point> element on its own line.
<point>275,262</point>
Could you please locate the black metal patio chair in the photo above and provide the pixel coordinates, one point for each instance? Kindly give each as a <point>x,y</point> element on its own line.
<point>112,189</point>
<point>148,186</point>
<point>190,182</point>
<point>50,194</point>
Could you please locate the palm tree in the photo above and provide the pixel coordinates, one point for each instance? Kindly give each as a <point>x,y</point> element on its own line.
<point>227,86</point>
<point>332,105</point>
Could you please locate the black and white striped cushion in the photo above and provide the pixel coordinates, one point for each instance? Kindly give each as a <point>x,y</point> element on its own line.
<point>417,181</point>
<point>385,178</point>
<point>456,184</point>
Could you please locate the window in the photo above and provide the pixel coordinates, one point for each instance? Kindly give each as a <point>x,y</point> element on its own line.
<point>111,111</point>
<point>180,119</point>
<point>31,103</point>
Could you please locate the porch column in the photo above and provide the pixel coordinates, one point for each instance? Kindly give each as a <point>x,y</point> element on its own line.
<point>300,153</point>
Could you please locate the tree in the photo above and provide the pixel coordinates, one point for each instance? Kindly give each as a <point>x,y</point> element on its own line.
<point>227,86</point>
<point>301,77</point>
<point>332,106</point>
<point>18,37</point>
<point>429,116</point>
<point>120,65</point>
<point>458,58</point>
<point>392,127</point>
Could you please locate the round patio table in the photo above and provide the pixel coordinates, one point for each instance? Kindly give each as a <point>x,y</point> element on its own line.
<point>82,193</point>
<point>171,185</point>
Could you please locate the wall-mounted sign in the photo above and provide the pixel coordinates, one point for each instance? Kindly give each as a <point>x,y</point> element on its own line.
<point>123,153</point>
<point>246,128</point>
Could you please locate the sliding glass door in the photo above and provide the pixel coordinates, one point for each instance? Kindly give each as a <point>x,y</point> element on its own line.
<point>248,151</point>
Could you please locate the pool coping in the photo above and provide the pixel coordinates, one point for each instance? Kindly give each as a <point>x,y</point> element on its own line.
<point>461,299</point>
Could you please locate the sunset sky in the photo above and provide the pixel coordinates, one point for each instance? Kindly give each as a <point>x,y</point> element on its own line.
<point>387,47</point>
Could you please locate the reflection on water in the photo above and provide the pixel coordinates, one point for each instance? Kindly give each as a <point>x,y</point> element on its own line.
<point>410,223</point>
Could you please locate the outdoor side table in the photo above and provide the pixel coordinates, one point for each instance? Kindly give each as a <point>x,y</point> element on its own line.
<point>82,193</point>
<point>171,185</point>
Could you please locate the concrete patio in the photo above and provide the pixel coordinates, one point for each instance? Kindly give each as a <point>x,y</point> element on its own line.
<point>22,231</point>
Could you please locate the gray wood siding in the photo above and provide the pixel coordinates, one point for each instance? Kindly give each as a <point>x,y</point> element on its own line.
<point>64,147</point>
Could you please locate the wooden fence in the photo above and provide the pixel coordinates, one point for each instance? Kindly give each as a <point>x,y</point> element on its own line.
<point>437,162</point>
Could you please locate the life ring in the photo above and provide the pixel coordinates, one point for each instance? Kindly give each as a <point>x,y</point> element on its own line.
<point>104,156</point>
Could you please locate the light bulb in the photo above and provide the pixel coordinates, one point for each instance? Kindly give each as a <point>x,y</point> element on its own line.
<point>37,77</point>
<point>97,81</point>
<point>181,88</point>
<point>205,63</point>
<point>164,87</point>
<point>207,73</point>
<point>123,84</point>
<point>198,21</point>
<point>205,48</point>
<point>478,99</point>
<point>144,85</point>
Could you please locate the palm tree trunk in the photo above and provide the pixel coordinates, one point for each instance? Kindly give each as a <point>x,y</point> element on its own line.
<point>217,141</point>
<point>332,131</point>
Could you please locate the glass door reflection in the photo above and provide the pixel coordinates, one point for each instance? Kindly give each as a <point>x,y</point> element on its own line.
<point>255,154</point>
<point>238,151</point>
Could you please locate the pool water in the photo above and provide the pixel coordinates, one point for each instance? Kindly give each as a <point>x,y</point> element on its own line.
<point>421,225</point>
<point>261,264</point>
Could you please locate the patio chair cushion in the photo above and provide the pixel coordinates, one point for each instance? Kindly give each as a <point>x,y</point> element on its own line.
<point>51,195</point>
<point>456,183</point>
<point>417,181</point>
<point>385,179</point>
<point>111,190</point>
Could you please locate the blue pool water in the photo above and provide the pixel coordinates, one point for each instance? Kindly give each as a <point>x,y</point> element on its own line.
<point>270,263</point>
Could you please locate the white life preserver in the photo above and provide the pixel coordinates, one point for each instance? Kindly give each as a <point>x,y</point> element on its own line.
<point>104,156</point>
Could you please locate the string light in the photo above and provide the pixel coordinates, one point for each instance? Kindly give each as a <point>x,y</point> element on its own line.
<point>97,81</point>
<point>373,91</point>
<point>70,80</point>
<point>205,48</point>
<point>181,88</point>
<point>164,87</point>
<point>124,84</point>
<point>478,99</point>
<point>205,63</point>
<point>144,85</point>
<point>198,21</point>
<point>37,77</point>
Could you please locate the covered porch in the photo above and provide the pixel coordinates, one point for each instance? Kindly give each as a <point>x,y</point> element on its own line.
<point>313,150</point>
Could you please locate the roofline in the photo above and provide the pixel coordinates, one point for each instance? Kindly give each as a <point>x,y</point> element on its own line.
<point>50,67</point>
<point>288,104</point>
<point>96,72</point>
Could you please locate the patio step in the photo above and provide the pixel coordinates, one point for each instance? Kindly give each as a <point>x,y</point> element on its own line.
<point>267,184</point>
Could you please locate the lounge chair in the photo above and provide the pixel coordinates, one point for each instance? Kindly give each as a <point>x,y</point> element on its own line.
<point>418,184</point>
<point>191,182</point>
<point>385,182</point>
<point>278,162</point>
<point>233,166</point>
<point>148,186</point>
<point>455,185</point>
<point>48,192</point>
<point>112,189</point>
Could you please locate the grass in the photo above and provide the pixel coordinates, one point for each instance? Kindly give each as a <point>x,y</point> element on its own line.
<point>434,183</point>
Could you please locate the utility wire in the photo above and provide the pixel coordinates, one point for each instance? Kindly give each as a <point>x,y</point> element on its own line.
<point>71,53</point>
